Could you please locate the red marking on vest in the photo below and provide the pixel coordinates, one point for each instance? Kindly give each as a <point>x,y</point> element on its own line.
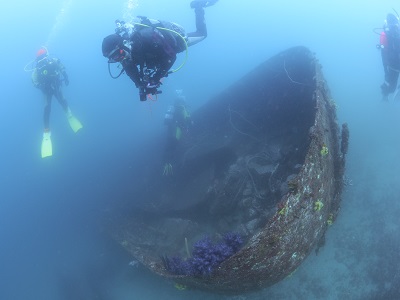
<point>383,39</point>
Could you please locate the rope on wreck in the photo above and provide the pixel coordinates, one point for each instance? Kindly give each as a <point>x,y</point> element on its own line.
<point>290,78</point>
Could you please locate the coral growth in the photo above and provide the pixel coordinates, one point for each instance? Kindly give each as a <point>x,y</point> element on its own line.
<point>318,205</point>
<point>324,150</point>
<point>330,219</point>
<point>206,256</point>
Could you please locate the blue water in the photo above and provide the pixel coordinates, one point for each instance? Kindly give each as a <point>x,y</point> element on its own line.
<point>51,243</point>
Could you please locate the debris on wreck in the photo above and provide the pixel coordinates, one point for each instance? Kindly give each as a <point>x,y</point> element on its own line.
<point>265,159</point>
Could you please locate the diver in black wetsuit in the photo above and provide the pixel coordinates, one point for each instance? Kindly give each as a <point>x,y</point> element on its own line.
<point>147,48</point>
<point>178,122</point>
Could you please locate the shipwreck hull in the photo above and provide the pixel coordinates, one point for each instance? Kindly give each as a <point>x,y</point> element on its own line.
<point>265,158</point>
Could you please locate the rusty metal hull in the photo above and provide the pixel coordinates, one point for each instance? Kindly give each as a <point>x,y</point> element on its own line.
<point>266,160</point>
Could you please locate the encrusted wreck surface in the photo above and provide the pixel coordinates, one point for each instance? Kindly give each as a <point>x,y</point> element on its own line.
<point>265,158</point>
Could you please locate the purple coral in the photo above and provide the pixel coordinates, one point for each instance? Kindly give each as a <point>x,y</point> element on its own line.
<point>177,265</point>
<point>206,256</point>
<point>233,240</point>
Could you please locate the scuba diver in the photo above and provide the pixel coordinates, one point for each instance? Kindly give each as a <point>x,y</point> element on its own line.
<point>178,121</point>
<point>390,52</point>
<point>48,75</point>
<point>147,48</point>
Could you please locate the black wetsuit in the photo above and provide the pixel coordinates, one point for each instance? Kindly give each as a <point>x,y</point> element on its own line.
<point>390,52</point>
<point>153,48</point>
<point>48,77</point>
<point>178,122</point>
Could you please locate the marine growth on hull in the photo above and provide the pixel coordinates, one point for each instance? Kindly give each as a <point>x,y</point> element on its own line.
<point>241,174</point>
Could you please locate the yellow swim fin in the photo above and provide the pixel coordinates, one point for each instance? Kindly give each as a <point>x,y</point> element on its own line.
<point>47,148</point>
<point>178,133</point>
<point>73,122</point>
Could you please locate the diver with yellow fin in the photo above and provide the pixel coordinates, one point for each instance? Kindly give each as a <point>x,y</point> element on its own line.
<point>178,122</point>
<point>48,75</point>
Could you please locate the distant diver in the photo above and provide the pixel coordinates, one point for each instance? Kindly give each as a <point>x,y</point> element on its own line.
<point>48,75</point>
<point>178,122</point>
<point>390,52</point>
<point>147,48</point>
